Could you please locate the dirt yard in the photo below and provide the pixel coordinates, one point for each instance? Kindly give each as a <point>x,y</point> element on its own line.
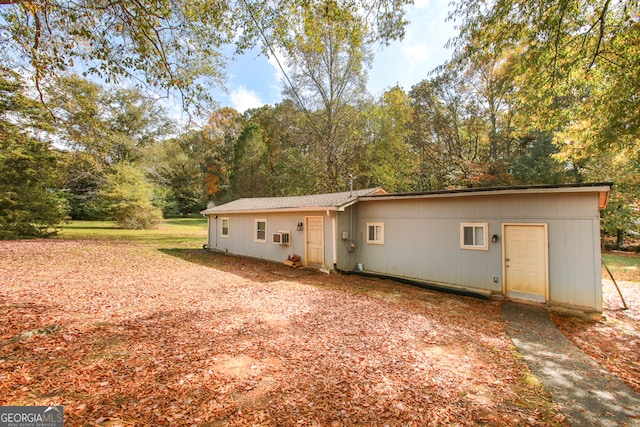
<point>125,334</point>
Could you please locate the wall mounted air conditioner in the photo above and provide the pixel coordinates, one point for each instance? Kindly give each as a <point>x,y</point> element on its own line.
<point>282,238</point>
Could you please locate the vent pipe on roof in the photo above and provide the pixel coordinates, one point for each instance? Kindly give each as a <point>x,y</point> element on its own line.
<point>350,185</point>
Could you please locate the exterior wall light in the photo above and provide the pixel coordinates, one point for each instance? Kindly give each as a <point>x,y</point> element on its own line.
<point>300,226</point>
<point>494,238</point>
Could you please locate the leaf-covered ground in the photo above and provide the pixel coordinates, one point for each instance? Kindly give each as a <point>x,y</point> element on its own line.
<point>125,334</point>
<point>613,339</point>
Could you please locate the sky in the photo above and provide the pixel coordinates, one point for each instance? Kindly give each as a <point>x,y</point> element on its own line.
<point>254,80</point>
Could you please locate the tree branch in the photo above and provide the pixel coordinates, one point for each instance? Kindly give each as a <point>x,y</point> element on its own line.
<point>600,19</point>
<point>36,65</point>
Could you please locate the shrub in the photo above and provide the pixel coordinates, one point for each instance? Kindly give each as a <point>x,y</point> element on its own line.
<point>127,197</point>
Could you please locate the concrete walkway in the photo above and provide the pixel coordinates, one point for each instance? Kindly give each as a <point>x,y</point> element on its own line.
<point>587,394</point>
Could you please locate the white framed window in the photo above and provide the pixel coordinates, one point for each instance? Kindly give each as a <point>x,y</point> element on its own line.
<point>224,227</point>
<point>375,233</point>
<point>261,230</point>
<point>474,235</point>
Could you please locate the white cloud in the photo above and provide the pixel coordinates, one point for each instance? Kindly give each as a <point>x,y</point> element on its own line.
<point>411,60</point>
<point>242,99</point>
<point>278,61</point>
<point>416,52</point>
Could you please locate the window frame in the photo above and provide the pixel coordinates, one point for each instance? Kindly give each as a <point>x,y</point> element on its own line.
<point>474,226</point>
<point>222,220</point>
<point>378,240</point>
<point>256,230</point>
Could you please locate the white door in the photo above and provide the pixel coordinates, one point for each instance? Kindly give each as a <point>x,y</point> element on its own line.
<point>525,262</point>
<point>315,241</point>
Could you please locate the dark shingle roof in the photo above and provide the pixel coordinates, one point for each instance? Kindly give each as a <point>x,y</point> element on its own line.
<point>310,202</point>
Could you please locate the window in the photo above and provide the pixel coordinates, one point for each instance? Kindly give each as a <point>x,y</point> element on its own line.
<point>474,235</point>
<point>375,233</point>
<point>261,230</point>
<point>224,227</point>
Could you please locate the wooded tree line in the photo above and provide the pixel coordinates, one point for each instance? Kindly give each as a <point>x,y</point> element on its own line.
<point>546,95</point>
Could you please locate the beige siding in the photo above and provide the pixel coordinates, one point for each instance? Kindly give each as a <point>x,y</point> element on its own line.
<point>241,240</point>
<point>422,241</point>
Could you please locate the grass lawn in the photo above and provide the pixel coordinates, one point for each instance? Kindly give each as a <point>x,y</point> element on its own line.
<point>140,328</point>
<point>623,265</point>
<point>171,233</point>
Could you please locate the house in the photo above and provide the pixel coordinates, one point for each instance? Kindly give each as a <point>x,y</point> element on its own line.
<point>533,243</point>
<point>275,227</point>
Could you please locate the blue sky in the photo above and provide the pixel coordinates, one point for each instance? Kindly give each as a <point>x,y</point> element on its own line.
<point>254,80</point>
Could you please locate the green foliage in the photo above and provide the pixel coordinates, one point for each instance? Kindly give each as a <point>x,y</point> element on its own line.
<point>622,215</point>
<point>327,53</point>
<point>101,128</point>
<point>83,175</point>
<point>109,124</point>
<point>182,171</point>
<point>174,46</point>
<point>217,148</point>
<point>391,161</point>
<point>249,172</point>
<point>574,66</point>
<point>127,197</point>
<point>30,201</point>
<point>534,161</point>
<point>449,134</point>
<point>31,204</point>
<point>291,170</point>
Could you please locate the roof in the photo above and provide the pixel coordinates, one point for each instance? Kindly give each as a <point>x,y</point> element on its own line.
<point>602,188</point>
<point>314,202</point>
<point>339,201</point>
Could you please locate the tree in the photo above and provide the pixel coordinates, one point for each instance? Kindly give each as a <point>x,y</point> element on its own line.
<point>576,64</point>
<point>127,196</point>
<point>30,199</point>
<point>111,124</point>
<point>622,215</point>
<point>390,160</point>
<point>182,171</point>
<point>291,170</point>
<point>328,52</point>
<point>250,167</point>
<point>534,161</point>
<point>449,134</point>
<point>217,150</point>
<point>101,128</point>
<point>165,45</point>
<point>82,176</point>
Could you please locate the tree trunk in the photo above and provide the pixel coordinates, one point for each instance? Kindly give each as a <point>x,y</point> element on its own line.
<point>619,238</point>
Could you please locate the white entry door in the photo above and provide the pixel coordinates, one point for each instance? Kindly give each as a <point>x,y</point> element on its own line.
<point>525,262</point>
<point>315,241</point>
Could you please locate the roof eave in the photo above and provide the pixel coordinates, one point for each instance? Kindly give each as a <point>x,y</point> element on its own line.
<point>209,212</point>
<point>602,190</point>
